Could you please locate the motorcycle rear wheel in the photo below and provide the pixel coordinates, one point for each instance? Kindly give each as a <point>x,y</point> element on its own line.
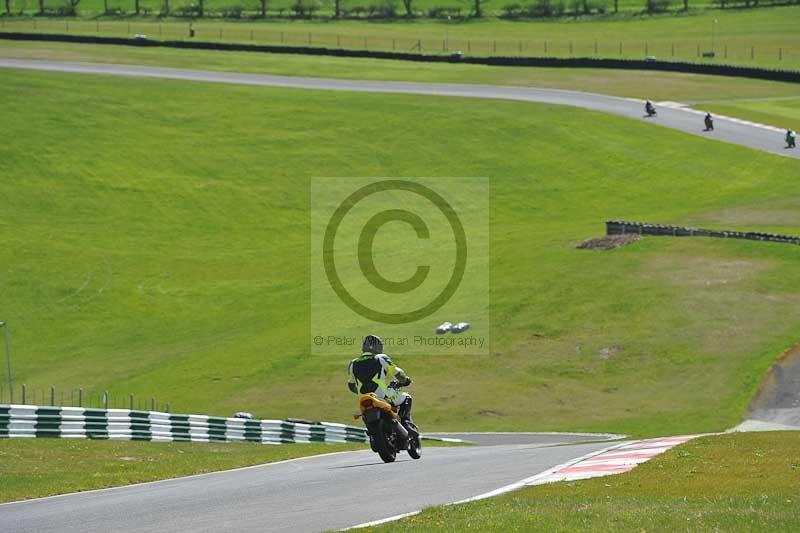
<point>385,443</point>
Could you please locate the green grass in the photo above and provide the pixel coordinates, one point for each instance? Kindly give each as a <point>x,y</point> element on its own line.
<point>638,84</point>
<point>779,112</point>
<point>33,468</point>
<point>156,242</point>
<point>739,482</point>
<point>762,37</point>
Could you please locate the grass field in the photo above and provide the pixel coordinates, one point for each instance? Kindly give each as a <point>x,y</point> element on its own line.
<point>710,90</point>
<point>738,482</point>
<point>156,242</point>
<point>762,37</point>
<point>33,468</point>
<point>780,112</point>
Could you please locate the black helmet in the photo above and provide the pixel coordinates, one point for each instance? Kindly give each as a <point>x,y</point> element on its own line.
<point>372,344</point>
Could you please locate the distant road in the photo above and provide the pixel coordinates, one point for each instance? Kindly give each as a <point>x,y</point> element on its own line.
<point>311,494</point>
<point>768,139</point>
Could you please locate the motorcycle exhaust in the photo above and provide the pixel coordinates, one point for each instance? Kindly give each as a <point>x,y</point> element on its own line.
<point>398,427</point>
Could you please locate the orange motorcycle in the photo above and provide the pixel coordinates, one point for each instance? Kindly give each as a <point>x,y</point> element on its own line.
<point>387,433</point>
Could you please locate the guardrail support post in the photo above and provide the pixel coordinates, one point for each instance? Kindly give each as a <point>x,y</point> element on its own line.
<point>52,396</point>
<point>105,400</point>
<point>152,404</point>
<point>24,394</point>
<point>80,397</point>
<point>131,402</point>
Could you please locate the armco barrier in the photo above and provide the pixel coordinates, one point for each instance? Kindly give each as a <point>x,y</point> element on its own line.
<point>619,227</point>
<point>20,421</point>
<point>31,421</point>
<point>571,62</point>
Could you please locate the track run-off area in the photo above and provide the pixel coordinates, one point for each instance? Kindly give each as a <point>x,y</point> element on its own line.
<point>345,489</point>
<point>670,114</point>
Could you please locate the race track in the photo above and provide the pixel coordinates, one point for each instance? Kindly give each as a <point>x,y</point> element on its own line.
<point>769,139</point>
<point>311,494</point>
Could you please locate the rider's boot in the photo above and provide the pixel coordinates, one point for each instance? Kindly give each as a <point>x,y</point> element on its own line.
<point>405,415</point>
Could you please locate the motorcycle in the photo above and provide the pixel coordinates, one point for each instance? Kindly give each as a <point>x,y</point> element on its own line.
<point>709,123</point>
<point>790,140</point>
<point>387,433</point>
<point>650,110</point>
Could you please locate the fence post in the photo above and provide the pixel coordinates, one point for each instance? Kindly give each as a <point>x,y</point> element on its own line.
<point>282,37</point>
<point>444,45</point>
<point>752,52</point>
<point>646,49</point>
<point>494,50</point>
<point>131,404</point>
<point>24,390</point>
<point>105,400</point>
<point>309,38</point>
<point>726,52</point>
<point>698,49</point>
<point>620,48</point>
<point>545,47</point>
<point>673,50</point>
<point>52,396</point>
<point>469,46</point>
<point>520,47</point>
<point>166,408</point>
<point>780,54</point>
<point>80,397</point>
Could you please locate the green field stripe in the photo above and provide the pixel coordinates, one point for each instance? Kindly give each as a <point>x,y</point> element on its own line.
<point>48,422</point>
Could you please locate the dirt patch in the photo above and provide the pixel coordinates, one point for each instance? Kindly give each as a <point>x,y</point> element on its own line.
<point>607,353</point>
<point>705,271</point>
<point>781,213</point>
<point>780,390</point>
<point>609,242</point>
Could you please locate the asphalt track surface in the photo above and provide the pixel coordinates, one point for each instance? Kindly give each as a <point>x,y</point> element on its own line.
<point>312,494</point>
<point>769,139</point>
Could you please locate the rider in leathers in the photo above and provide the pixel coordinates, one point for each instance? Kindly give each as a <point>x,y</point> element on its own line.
<point>374,372</point>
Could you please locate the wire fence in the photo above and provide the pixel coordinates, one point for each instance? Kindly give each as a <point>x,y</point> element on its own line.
<point>25,395</point>
<point>729,51</point>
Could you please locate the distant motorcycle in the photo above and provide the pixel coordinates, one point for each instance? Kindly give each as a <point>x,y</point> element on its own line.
<point>387,433</point>
<point>709,122</point>
<point>790,139</point>
<point>650,110</point>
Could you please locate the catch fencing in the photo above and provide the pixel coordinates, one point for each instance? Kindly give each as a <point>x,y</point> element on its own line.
<point>619,227</point>
<point>29,421</point>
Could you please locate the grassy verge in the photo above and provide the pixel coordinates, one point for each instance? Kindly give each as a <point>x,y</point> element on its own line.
<point>779,112</point>
<point>638,84</point>
<point>761,37</point>
<point>740,482</point>
<point>32,468</point>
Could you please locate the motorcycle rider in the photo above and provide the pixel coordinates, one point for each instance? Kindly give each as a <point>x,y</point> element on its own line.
<point>709,122</point>
<point>790,139</point>
<point>649,109</point>
<point>374,372</point>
